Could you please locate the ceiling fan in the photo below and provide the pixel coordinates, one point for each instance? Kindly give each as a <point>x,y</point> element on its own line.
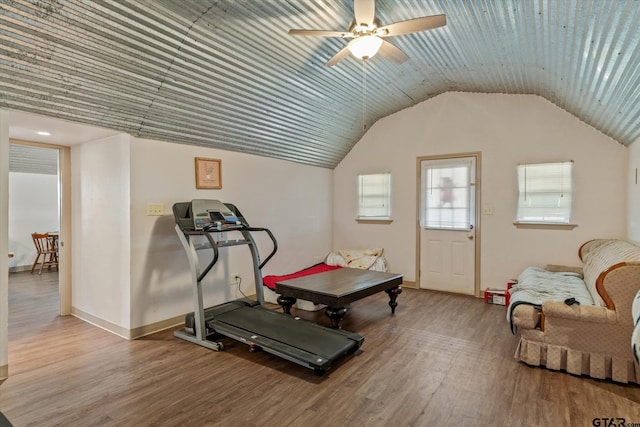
<point>367,36</point>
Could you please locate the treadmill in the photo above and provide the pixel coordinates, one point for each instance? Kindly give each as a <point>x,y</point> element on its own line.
<point>250,322</point>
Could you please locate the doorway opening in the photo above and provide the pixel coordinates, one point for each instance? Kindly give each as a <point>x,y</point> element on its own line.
<point>39,202</point>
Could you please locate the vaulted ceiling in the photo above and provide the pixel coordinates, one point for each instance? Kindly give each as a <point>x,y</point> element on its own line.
<point>225,73</point>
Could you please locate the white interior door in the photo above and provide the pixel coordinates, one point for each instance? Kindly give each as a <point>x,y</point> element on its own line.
<point>447,225</point>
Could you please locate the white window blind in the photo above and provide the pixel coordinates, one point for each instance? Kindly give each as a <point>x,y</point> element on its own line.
<point>374,196</point>
<point>545,193</point>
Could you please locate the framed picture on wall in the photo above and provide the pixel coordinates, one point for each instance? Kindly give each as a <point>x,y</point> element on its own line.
<point>208,173</point>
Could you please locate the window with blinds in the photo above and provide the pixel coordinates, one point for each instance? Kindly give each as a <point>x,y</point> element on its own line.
<point>374,196</point>
<point>545,193</point>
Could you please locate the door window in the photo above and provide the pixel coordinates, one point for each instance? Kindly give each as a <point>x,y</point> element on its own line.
<point>447,201</point>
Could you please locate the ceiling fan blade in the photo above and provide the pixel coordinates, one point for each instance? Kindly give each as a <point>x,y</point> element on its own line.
<point>414,25</point>
<point>319,33</point>
<point>365,11</point>
<point>338,57</point>
<point>391,52</point>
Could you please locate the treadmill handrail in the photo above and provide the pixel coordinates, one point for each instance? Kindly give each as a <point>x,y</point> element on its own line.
<point>214,245</point>
<point>273,239</point>
<point>209,266</point>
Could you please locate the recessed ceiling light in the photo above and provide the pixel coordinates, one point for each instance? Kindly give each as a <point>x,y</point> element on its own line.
<point>43,133</point>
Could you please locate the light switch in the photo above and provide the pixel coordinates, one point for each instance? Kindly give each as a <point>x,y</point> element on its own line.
<point>487,210</point>
<point>155,209</point>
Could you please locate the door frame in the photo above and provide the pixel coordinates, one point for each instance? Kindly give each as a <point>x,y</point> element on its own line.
<point>64,255</point>
<point>478,157</point>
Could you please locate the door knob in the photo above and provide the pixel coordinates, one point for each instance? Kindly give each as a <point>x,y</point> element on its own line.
<point>470,236</point>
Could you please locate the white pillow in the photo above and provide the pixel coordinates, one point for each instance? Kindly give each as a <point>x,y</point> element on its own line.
<point>335,259</point>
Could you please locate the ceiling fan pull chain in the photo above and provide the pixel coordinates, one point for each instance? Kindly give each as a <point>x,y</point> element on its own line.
<point>364,95</point>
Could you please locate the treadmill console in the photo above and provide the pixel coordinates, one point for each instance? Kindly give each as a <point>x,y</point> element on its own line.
<point>211,215</point>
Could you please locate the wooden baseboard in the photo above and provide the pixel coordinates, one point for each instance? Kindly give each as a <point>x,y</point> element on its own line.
<point>408,284</point>
<point>4,372</point>
<point>145,330</point>
<point>130,334</point>
<point>101,323</point>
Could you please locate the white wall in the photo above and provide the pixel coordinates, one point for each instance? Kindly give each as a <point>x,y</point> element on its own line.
<point>292,200</point>
<point>507,130</point>
<point>130,270</point>
<point>633,194</point>
<point>100,230</point>
<point>4,244</point>
<point>33,208</point>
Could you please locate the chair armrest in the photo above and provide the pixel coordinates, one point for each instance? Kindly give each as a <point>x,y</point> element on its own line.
<point>526,316</point>
<point>583,313</point>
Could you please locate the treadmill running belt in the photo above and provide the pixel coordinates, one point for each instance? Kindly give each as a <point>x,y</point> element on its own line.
<point>300,334</point>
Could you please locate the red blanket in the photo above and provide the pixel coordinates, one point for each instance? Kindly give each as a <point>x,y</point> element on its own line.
<point>270,281</point>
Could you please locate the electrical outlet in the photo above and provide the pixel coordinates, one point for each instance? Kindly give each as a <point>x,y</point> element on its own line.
<point>155,209</point>
<point>235,279</point>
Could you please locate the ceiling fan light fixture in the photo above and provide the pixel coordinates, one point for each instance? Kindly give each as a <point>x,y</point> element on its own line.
<point>366,34</point>
<point>365,47</point>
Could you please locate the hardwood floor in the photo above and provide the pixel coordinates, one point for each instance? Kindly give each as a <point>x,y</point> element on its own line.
<point>442,359</point>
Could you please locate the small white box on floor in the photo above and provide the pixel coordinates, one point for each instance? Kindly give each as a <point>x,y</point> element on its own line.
<point>272,297</point>
<point>308,305</point>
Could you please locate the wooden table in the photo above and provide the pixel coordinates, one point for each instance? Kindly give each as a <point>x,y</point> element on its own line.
<point>337,288</point>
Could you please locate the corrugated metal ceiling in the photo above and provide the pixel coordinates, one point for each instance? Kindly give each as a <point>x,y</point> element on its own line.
<point>225,73</point>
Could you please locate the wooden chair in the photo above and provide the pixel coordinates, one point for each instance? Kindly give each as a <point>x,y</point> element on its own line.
<point>47,248</point>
